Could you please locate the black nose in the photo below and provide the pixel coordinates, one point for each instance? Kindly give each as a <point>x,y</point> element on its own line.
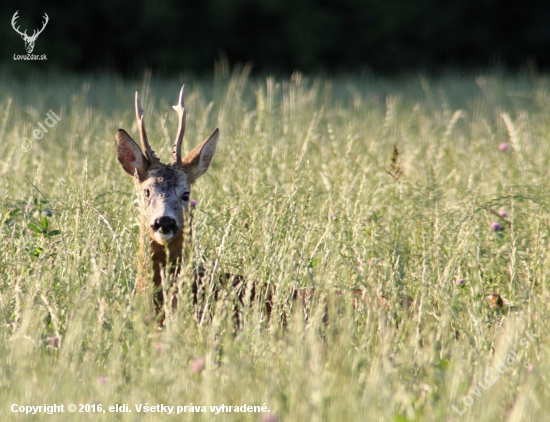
<point>164,224</point>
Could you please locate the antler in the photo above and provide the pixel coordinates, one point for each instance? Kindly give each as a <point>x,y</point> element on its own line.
<point>36,34</point>
<point>13,19</point>
<point>180,109</point>
<point>143,135</point>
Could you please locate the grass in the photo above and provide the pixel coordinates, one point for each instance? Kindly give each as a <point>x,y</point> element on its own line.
<point>388,186</point>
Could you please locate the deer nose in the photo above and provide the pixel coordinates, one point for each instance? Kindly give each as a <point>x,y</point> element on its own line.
<point>164,224</point>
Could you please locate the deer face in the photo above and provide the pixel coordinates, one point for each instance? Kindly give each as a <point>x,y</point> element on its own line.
<point>166,195</point>
<point>29,44</point>
<point>165,187</point>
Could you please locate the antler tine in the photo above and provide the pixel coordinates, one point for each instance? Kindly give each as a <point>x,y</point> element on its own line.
<point>180,109</point>
<point>13,22</point>
<point>143,135</point>
<point>47,19</point>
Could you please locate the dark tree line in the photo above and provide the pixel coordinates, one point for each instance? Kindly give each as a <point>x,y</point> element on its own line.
<point>280,35</point>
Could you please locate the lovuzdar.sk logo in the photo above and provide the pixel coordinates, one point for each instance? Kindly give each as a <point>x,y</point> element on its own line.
<point>29,39</point>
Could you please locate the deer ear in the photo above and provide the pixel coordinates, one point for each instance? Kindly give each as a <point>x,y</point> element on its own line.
<point>197,161</point>
<point>129,155</point>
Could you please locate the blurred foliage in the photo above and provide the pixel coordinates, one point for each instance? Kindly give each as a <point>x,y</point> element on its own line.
<point>280,35</point>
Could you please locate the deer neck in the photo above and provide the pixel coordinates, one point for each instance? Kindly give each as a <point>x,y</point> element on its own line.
<point>171,255</point>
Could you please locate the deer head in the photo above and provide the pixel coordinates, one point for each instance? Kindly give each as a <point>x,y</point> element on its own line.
<point>29,41</point>
<point>166,187</point>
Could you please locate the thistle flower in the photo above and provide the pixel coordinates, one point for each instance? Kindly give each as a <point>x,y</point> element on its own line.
<point>503,213</point>
<point>496,227</point>
<point>504,147</point>
<point>193,203</point>
<point>53,341</point>
<point>460,282</point>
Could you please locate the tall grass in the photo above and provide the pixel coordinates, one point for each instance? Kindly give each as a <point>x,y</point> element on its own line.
<point>388,186</point>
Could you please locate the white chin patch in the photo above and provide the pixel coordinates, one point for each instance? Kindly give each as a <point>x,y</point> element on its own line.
<point>161,237</point>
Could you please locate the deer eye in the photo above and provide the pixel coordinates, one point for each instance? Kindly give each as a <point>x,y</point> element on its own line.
<point>147,193</point>
<point>185,196</point>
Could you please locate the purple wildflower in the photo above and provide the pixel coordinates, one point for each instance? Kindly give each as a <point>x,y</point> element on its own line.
<point>496,227</point>
<point>332,216</point>
<point>504,147</point>
<point>53,341</point>
<point>193,203</point>
<point>460,282</point>
<point>198,366</point>
<point>268,417</point>
<point>503,213</point>
<point>102,380</point>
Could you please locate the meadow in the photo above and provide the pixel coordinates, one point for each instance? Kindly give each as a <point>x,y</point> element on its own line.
<point>429,194</point>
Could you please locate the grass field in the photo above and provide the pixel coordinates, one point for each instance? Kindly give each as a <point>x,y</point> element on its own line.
<point>430,189</point>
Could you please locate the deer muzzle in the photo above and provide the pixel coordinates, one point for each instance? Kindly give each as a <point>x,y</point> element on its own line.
<point>165,225</point>
<point>164,228</point>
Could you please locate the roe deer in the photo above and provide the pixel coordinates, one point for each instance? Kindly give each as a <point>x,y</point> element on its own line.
<point>167,220</point>
<point>166,224</point>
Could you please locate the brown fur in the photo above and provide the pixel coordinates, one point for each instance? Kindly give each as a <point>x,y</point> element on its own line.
<point>162,187</point>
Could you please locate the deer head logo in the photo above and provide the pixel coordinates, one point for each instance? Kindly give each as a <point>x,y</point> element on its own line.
<point>29,41</point>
